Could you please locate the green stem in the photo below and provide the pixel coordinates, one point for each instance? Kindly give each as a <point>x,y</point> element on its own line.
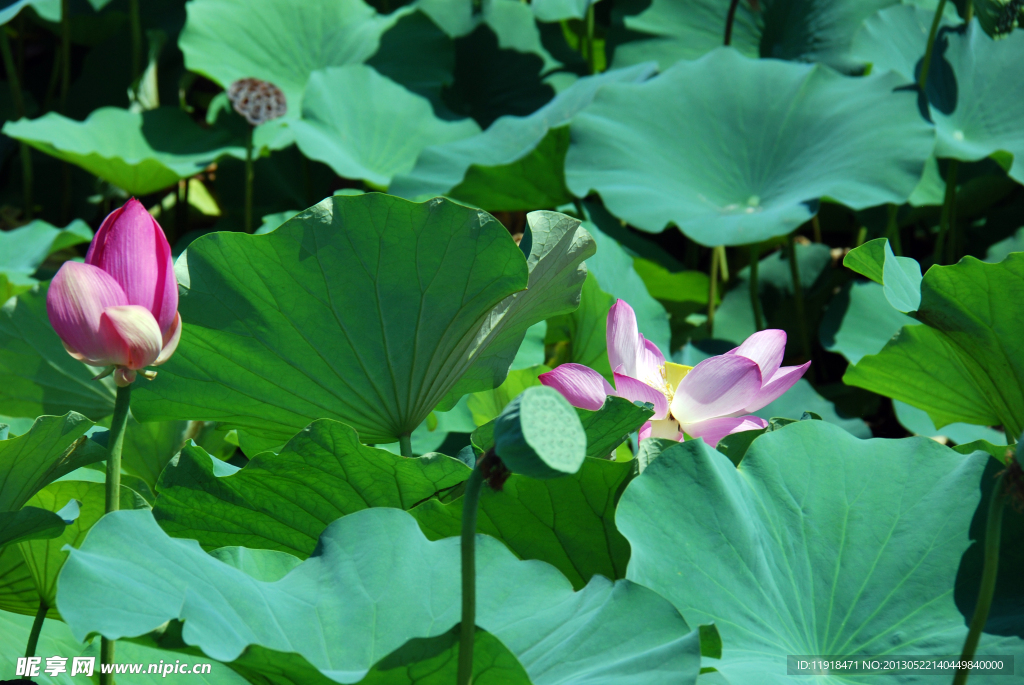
<point>65,53</point>
<point>37,627</point>
<point>922,78</point>
<point>405,444</point>
<point>892,230</point>
<point>947,220</point>
<point>249,175</point>
<point>136,25</point>
<point>730,17</point>
<point>969,11</point>
<point>755,292</point>
<point>723,263</point>
<point>993,535</point>
<point>19,110</point>
<point>816,227</point>
<point>712,293</point>
<point>591,54</point>
<point>798,294</point>
<point>115,441</point>
<point>470,502</point>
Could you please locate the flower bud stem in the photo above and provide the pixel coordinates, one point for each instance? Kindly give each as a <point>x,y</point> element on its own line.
<point>993,535</point>
<point>113,482</point>
<point>755,291</point>
<point>249,173</point>
<point>470,503</point>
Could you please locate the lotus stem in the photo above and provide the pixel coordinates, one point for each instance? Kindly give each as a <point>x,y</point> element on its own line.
<point>922,79</point>
<point>37,627</point>
<point>589,45</point>
<point>755,292</point>
<point>969,11</point>
<point>113,492</point>
<point>947,220</point>
<point>470,504</point>
<point>723,263</point>
<point>136,26</point>
<point>405,444</point>
<point>14,81</point>
<point>892,230</point>
<point>993,535</point>
<point>798,294</point>
<point>249,175</point>
<point>730,18</point>
<point>712,292</point>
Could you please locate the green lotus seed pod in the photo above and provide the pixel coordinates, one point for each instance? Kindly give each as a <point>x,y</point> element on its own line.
<point>540,435</point>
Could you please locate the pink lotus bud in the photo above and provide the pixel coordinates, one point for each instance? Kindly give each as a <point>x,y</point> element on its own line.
<point>120,308</point>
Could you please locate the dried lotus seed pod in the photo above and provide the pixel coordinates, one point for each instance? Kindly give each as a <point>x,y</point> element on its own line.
<point>258,101</point>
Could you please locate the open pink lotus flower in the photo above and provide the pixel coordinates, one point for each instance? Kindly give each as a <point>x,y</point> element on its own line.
<point>120,308</point>
<point>710,400</point>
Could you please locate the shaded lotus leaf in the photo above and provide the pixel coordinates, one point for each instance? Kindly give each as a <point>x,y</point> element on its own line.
<point>580,337</point>
<point>48,10</point>
<point>279,41</point>
<point>466,169</point>
<point>349,334</point>
<point>557,10</point>
<point>139,152</point>
<point>778,553</point>
<point>798,30</point>
<point>374,583</point>
<point>379,138</point>
<point>285,501</point>
<point>18,592</point>
<point>567,522</point>
<point>665,151</point>
<point>37,375</point>
<point>45,558</point>
<point>53,447</point>
<point>963,365</point>
<point>970,96</point>
<point>434,661</point>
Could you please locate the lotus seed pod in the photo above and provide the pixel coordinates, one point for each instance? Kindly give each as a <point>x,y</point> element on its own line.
<point>258,101</point>
<point>539,435</point>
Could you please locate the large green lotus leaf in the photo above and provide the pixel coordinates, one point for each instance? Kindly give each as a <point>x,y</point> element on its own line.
<point>418,54</point>
<point>37,375</point>
<point>45,558</point>
<point>284,501</point>
<point>18,592</point>
<point>799,30</point>
<point>557,10</point>
<point>24,249</point>
<point>506,143</point>
<point>139,152</point>
<point>918,422</point>
<point>665,151</point>
<point>279,41</point>
<point>434,661</point>
<point>1001,250</point>
<point>388,307</point>
<point>975,114</point>
<point>580,337</point>
<point>568,522</point>
<point>55,445</point>
<point>374,583</point>
<point>964,365</point>
<point>376,140</point>
<point>818,543</point>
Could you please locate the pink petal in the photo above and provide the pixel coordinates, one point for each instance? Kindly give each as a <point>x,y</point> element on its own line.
<point>133,331</point>
<point>75,302</point>
<point>714,430</point>
<point>645,431</point>
<point>623,338</point>
<point>650,362</point>
<point>170,342</point>
<point>718,386</point>
<point>783,380</point>
<point>638,391</point>
<point>131,247</point>
<point>581,385</point>
<point>766,348</point>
